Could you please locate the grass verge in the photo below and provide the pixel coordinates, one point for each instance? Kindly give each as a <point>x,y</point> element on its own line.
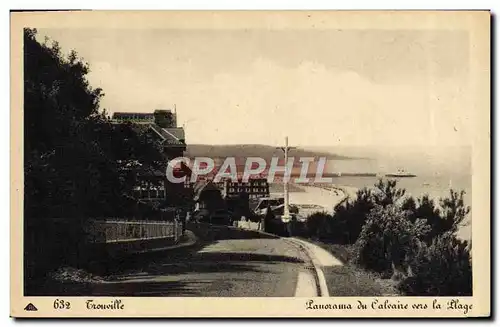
<point>351,280</point>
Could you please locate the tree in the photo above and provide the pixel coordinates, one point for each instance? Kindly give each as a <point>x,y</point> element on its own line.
<point>424,208</point>
<point>73,156</point>
<point>270,221</point>
<point>443,268</point>
<point>318,225</point>
<point>448,216</point>
<point>388,239</point>
<point>387,193</point>
<point>349,218</point>
<point>61,113</point>
<point>164,118</point>
<point>454,212</point>
<point>409,204</point>
<point>67,177</point>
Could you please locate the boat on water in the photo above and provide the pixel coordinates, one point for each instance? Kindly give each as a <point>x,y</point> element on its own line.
<point>400,173</point>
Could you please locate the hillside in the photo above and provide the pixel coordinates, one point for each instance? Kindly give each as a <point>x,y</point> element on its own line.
<point>253,150</point>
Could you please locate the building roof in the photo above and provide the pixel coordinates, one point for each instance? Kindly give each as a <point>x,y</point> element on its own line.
<point>136,117</point>
<point>202,186</point>
<point>130,114</point>
<point>173,136</point>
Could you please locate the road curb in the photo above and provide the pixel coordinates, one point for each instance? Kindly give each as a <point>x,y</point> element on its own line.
<point>318,272</point>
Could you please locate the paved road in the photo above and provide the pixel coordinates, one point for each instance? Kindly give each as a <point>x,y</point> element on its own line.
<point>226,263</point>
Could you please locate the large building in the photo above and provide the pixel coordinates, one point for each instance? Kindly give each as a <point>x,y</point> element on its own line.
<point>133,117</point>
<point>255,188</point>
<point>162,117</point>
<point>154,186</point>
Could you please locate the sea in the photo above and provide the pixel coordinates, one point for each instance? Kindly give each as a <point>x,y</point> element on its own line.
<point>436,186</point>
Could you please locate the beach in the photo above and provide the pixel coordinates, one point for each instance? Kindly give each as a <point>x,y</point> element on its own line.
<point>319,198</point>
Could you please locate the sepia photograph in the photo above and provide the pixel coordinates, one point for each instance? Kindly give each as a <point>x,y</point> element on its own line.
<point>252,155</point>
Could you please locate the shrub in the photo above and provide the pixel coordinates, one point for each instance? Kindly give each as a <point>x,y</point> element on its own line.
<point>273,225</point>
<point>424,208</point>
<point>349,218</point>
<point>386,192</point>
<point>443,268</point>
<point>410,205</point>
<point>318,225</point>
<point>447,217</point>
<point>387,239</point>
<point>454,211</point>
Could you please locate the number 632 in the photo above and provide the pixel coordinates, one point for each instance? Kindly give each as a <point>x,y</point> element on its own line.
<point>61,304</point>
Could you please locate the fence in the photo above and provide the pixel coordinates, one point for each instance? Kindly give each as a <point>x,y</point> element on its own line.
<point>114,231</point>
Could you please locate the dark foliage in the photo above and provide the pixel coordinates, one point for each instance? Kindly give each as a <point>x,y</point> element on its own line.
<point>408,239</point>
<point>77,165</point>
<point>163,118</point>
<point>349,218</point>
<point>447,217</point>
<point>273,225</point>
<point>318,226</point>
<point>387,193</point>
<point>443,268</point>
<point>388,239</point>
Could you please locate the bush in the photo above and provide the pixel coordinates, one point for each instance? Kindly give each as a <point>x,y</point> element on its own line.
<point>398,236</point>
<point>454,212</point>
<point>349,218</point>
<point>62,241</point>
<point>387,239</point>
<point>448,217</point>
<point>386,192</point>
<point>273,225</point>
<point>318,225</point>
<point>74,167</point>
<point>443,268</point>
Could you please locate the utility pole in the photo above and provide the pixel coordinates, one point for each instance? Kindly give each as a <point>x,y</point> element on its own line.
<point>286,212</point>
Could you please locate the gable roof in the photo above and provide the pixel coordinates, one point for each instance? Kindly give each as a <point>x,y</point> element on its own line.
<point>173,136</point>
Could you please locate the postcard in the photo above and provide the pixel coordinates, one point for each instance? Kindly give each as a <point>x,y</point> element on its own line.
<point>250,164</point>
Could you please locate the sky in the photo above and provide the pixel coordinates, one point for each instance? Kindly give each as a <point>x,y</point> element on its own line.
<point>326,87</point>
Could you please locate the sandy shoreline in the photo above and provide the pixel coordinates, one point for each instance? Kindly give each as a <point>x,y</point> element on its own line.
<point>320,197</point>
